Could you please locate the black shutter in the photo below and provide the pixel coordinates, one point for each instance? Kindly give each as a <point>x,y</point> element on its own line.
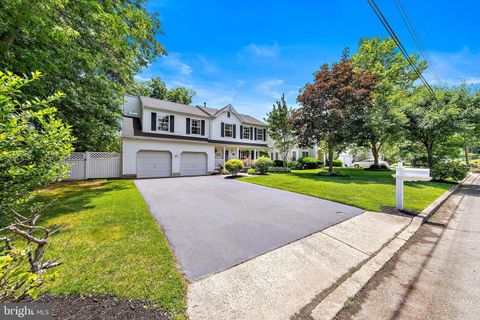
<point>172,123</point>
<point>255,135</point>
<point>188,126</point>
<point>203,127</point>
<point>251,133</point>
<point>241,132</point>
<point>234,131</point>
<point>222,130</point>
<point>264,134</point>
<point>154,121</point>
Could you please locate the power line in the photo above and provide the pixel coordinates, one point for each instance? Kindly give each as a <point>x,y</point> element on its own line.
<point>395,38</point>
<point>416,37</point>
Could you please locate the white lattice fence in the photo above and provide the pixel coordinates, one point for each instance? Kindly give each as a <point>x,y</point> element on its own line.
<point>88,165</point>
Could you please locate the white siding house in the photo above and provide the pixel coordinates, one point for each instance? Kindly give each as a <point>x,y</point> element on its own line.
<point>162,139</point>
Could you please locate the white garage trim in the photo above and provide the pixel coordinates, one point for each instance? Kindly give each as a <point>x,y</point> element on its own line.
<point>193,164</point>
<point>154,164</point>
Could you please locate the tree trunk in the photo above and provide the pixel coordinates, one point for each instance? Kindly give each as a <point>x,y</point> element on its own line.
<point>8,37</point>
<point>330,158</point>
<point>466,155</point>
<point>376,154</point>
<point>430,157</point>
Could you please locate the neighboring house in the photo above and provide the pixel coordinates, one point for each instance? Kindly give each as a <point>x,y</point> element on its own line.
<point>296,153</point>
<point>163,139</point>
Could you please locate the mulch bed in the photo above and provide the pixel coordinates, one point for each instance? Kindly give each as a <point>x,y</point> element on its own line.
<point>101,307</point>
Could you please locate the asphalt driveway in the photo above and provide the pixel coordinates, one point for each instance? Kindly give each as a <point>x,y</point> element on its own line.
<point>214,223</point>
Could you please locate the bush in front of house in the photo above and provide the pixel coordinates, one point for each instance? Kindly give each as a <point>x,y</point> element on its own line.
<point>279,170</point>
<point>262,164</point>
<point>337,163</point>
<point>251,171</point>
<point>378,167</point>
<point>233,166</point>
<point>454,169</point>
<point>278,163</point>
<point>295,165</point>
<point>309,162</point>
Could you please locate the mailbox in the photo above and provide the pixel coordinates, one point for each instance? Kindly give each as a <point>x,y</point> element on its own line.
<point>407,174</point>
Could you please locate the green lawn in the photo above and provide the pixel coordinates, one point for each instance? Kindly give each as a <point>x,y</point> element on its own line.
<point>365,189</point>
<point>115,245</point>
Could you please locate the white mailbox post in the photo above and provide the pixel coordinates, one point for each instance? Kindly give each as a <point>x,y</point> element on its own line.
<point>408,174</point>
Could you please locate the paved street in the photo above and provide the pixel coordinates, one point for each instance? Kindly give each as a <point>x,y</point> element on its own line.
<point>437,273</point>
<point>213,223</point>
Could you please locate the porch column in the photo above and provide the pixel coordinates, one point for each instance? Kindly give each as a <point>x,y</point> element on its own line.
<point>255,156</point>
<point>223,156</point>
<point>238,153</point>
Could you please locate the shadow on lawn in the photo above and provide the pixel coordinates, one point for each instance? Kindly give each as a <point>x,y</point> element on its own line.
<point>360,176</point>
<point>72,197</point>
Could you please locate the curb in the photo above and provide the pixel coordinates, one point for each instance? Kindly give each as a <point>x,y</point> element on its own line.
<point>329,307</point>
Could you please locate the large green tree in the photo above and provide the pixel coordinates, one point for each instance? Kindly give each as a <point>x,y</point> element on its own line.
<point>467,100</point>
<point>156,88</point>
<point>395,77</point>
<point>89,50</point>
<point>34,142</point>
<point>281,128</point>
<point>333,106</point>
<point>431,121</point>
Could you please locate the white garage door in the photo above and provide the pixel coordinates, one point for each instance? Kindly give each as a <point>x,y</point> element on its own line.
<point>193,164</point>
<point>154,164</point>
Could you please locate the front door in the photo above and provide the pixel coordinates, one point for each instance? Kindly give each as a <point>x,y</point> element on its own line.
<point>226,155</point>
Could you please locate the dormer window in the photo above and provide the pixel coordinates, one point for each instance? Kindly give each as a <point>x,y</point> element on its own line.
<point>163,123</point>
<point>195,127</point>
<point>228,114</point>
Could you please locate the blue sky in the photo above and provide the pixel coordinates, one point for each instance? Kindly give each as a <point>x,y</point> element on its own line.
<point>248,53</point>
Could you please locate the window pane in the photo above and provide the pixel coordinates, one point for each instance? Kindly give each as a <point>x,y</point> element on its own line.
<point>246,132</point>
<point>163,123</point>
<point>228,130</point>
<point>195,126</point>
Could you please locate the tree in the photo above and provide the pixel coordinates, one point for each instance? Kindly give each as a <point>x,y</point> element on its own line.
<point>430,120</point>
<point>281,128</point>
<point>156,88</point>
<point>333,106</point>
<point>89,50</point>
<point>394,77</point>
<point>34,142</point>
<point>466,99</point>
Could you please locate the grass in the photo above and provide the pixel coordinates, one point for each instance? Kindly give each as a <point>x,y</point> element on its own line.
<point>369,190</point>
<point>114,245</point>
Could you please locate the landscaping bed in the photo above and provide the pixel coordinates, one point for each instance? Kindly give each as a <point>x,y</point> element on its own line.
<point>114,247</point>
<point>370,190</point>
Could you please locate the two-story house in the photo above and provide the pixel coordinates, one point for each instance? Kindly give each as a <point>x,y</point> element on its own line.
<point>163,139</point>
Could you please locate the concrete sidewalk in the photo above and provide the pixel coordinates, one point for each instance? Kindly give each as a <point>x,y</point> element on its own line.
<point>291,281</point>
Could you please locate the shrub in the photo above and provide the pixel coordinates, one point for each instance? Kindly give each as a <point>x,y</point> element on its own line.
<point>279,170</point>
<point>295,165</point>
<point>247,162</point>
<point>454,169</point>
<point>251,171</point>
<point>262,164</point>
<point>233,166</point>
<point>378,167</point>
<point>475,164</point>
<point>278,163</point>
<point>337,163</point>
<point>309,163</point>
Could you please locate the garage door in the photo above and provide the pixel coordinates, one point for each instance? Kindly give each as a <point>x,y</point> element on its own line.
<point>154,164</point>
<point>193,164</point>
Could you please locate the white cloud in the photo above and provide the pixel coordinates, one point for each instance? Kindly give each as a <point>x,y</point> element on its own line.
<point>270,88</point>
<point>174,62</point>
<point>455,67</point>
<point>263,50</point>
<point>140,78</point>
